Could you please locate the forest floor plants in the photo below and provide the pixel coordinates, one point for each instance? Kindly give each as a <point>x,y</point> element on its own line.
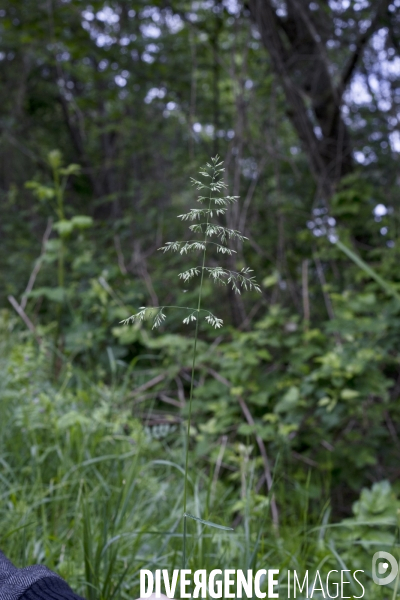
<point>54,194</point>
<point>84,490</point>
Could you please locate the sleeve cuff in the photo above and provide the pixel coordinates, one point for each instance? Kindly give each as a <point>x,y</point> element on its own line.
<point>50,588</point>
<point>18,581</point>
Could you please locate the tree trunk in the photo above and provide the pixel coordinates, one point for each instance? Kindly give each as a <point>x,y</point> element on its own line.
<point>296,44</point>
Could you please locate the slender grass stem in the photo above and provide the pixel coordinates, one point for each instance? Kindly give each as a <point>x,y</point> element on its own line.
<point>239,281</point>
<point>61,266</point>
<point>396,584</point>
<point>191,388</point>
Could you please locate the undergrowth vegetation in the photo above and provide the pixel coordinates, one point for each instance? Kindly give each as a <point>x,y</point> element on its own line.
<point>88,490</point>
<point>281,434</point>
<point>265,434</point>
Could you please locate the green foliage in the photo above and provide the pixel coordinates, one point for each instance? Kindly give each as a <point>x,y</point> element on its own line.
<point>85,492</point>
<point>305,372</point>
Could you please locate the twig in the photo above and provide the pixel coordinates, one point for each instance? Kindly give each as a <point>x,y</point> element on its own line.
<point>144,397</point>
<point>304,459</point>
<point>139,261</point>
<point>250,194</point>
<point>306,298</point>
<point>181,391</point>
<point>169,400</point>
<point>104,284</point>
<point>391,427</point>
<point>267,469</point>
<point>359,48</point>
<point>120,256</point>
<point>149,384</point>
<point>215,343</point>
<point>160,419</point>
<point>322,280</point>
<point>327,445</point>
<point>260,483</point>
<point>260,444</point>
<point>193,90</point>
<point>256,307</point>
<point>218,464</point>
<point>37,266</point>
<point>317,40</point>
<point>327,298</point>
<point>32,155</point>
<point>25,318</point>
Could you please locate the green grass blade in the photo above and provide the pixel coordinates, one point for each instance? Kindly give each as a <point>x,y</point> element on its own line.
<point>169,463</point>
<point>396,585</point>
<point>367,269</point>
<point>210,523</point>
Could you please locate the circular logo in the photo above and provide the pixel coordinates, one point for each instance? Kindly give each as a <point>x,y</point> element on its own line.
<point>383,567</point>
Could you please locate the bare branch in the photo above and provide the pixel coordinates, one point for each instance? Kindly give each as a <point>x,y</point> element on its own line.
<point>361,43</point>
<point>149,384</point>
<point>305,293</point>
<point>120,256</point>
<point>260,444</point>
<point>25,318</point>
<point>37,266</point>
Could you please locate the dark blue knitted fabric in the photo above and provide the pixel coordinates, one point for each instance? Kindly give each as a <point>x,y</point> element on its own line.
<point>37,581</point>
<point>50,588</point>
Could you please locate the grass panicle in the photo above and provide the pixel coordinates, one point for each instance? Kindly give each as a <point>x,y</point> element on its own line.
<point>215,205</point>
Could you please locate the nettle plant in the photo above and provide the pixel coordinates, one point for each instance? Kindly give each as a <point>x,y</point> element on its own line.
<point>211,234</point>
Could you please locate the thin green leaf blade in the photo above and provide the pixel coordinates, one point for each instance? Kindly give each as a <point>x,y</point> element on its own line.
<point>210,523</point>
<point>367,269</point>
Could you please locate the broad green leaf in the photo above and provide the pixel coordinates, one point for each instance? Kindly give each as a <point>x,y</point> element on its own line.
<point>289,400</point>
<point>348,394</point>
<point>56,294</point>
<point>72,169</point>
<point>270,280</point>
<point>236,391</point>
<point>64,227</point>
<point>55,159</point>
<point>82,221</point>
<point>42,192</point>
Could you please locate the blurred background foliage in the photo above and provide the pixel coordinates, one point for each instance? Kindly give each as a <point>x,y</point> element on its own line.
<point>106,111</point>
